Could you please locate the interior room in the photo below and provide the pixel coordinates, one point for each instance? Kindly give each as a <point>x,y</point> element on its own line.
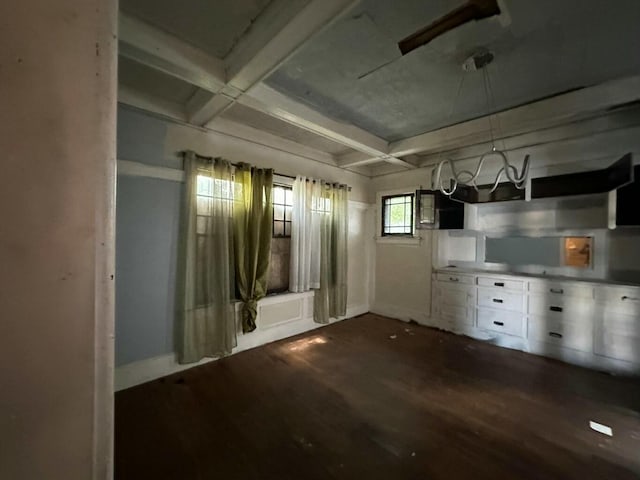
<point>320,239</point>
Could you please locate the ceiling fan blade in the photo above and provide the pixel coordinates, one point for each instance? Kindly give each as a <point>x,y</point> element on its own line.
<point>472,10</point>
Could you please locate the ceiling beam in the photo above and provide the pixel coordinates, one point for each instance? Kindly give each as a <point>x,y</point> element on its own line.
<point>267,100</point>
<point>558,110</point>
<point>150,103</point>
<point>159,50</point>
<point>269,43</point>
<point>354,159</point>
<point>278,32</point>
<point>604,123</point>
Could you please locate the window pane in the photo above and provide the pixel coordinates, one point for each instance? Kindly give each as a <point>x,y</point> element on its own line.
<point>203,185</point>
<point>288,196</point>
<point>278,195</point>
<point>278,212</point>
<point>287,229</point>
<point>396,214</point>
<point>407,214</point>
<point>278,228</point>
<point>287,212</point>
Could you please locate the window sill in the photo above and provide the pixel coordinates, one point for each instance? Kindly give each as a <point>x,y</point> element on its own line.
<point>399,240</point>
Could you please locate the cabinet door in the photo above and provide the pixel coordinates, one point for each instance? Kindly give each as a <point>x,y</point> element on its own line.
<point>618,336</point>
<point>461,295</point>
<point>624,300</point>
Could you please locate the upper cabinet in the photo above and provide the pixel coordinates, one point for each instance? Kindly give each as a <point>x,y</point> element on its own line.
<point>435,210</point>
<point>628,202</point>
<point>607,179</point>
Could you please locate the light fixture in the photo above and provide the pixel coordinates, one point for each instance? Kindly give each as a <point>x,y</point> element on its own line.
<point>456,177</point>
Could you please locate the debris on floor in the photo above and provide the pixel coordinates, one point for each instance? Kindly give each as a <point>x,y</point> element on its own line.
<point>393,337</point>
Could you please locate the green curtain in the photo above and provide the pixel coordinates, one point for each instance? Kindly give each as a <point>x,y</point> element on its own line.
<point>205,317</point>
<point>253,228</point>
<point>330,300</point>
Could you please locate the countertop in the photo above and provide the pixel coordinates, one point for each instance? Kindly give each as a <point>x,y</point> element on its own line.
<point>557,278</point>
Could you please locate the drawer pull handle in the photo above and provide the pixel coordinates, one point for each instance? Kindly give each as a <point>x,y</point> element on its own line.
<point>555,309</point>
<point>500,324</point>
<point>633,299</point>
<point>555,335</point>
<point>499,284</point>
<point>556,290</point>
<point>497,300</point>
<point>454,279</point>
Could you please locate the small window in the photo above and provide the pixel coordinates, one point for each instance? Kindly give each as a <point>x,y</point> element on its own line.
<point>282,206</point>
<point>397,215</point>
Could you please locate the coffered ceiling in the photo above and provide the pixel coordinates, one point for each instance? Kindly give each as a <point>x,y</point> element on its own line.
<point>328,73</point>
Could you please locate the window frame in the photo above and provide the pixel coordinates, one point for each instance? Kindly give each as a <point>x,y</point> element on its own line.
<point>383,207</point>
<point>285,205</point>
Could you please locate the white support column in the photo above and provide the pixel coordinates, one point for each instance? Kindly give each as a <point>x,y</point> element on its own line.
<point>57,131</point>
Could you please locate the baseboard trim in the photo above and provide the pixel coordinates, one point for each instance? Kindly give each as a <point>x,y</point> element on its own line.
<point>149,369</point>
<point>401,313</point>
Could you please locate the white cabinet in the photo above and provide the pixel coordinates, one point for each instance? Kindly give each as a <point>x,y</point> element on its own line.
<point>562,332</point>
<point>560,306</point>
<point>500,299</point>
<point>618,336</point>
<point>561,289</point>
<point>501,321</point>
<point>589,323</point>
<point>454,298</point>
<point>501,283</point>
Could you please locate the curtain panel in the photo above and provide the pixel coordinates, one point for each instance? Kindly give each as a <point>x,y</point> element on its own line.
<point>205,317</point>
<point>253,229</point>
<point>330,300</point>
<point>319,232</point>
<point>304,262</point>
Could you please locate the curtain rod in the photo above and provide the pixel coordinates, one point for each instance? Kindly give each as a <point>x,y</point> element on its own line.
<point>204,157</point>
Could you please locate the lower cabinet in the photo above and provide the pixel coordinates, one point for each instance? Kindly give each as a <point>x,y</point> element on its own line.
<point>599,323</point>
<point>618,336</point>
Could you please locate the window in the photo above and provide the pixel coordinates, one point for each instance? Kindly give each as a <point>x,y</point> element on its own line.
<point>397,215</point>
<point>282,206</point>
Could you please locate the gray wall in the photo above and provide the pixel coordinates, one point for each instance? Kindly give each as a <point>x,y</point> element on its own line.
<point>147,217</point>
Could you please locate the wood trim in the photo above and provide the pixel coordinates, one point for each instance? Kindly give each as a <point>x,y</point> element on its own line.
<point>137,169</point>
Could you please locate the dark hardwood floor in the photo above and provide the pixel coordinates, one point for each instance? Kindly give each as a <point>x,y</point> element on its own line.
<point>349,402</point>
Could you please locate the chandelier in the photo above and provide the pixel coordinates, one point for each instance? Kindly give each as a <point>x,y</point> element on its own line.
<point>449,183</point>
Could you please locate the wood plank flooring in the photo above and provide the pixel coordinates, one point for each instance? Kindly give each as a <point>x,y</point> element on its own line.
<point>348,401</point>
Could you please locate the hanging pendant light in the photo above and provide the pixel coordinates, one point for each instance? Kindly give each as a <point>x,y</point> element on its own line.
<point>456,177</point>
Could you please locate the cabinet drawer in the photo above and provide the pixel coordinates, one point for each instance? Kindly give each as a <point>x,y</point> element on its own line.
<point>619,299</point>
<point>502,300</point>
<point>618,336</point>
<point>576,335</point>
<point>509,323</point>
<point>458,296</point>
<point>558,306</point>
<point>455,278</point>
<point>561,289</point>
<point>501,283</point>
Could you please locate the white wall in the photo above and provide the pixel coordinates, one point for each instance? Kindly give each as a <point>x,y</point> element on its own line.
<point>402,268</point>
<point>57,132</point>
<point>147,241</point>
